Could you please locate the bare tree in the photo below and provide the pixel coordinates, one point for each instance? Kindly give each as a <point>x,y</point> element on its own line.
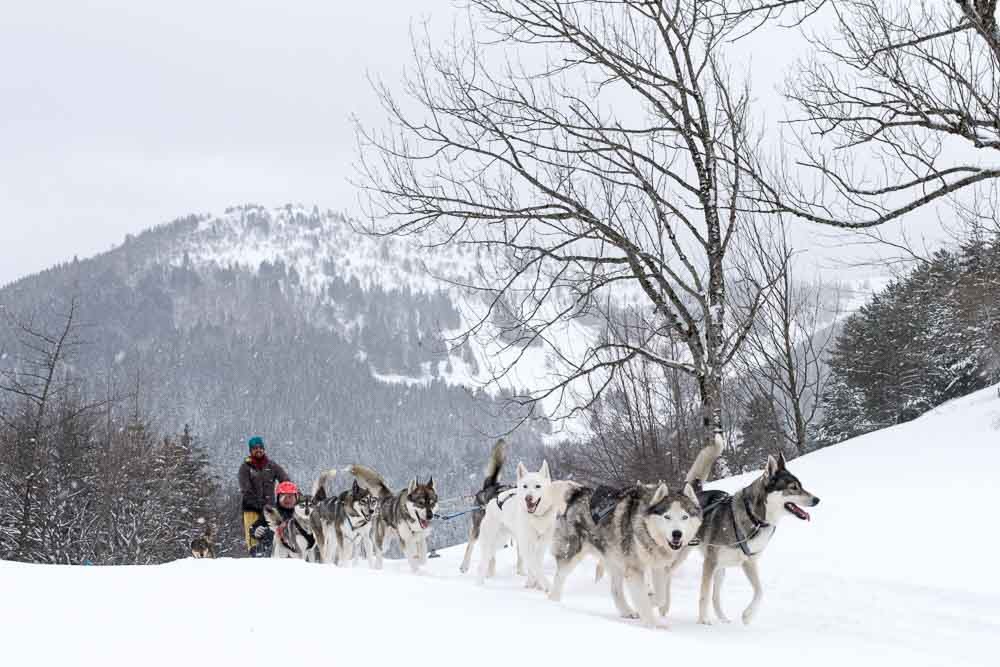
<point>604,163</point>
<point>34,384</point>
<point>645,426</point>
<point>782,359</point>
<point>900,108</point>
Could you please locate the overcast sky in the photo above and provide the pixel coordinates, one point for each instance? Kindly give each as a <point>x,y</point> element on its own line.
<point>116,115</point>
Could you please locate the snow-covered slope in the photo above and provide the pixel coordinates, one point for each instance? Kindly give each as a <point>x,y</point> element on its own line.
<point>323,247</point>
<point>896,568</point>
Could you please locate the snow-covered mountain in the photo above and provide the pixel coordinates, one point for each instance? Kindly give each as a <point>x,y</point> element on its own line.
<point>290,323</point>
<point>895,568</point>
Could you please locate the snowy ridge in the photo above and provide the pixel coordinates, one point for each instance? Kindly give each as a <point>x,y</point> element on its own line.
<point>323,246</point>
<point>893,569</point>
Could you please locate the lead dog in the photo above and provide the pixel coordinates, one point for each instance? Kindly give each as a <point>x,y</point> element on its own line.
<point>738,528</point>
<point>406,515</point>
<point>638,533</point>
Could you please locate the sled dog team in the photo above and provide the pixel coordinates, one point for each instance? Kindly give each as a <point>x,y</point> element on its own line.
<point>639,535</point>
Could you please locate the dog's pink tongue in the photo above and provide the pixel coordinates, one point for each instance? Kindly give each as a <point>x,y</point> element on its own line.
<point>798,511</point>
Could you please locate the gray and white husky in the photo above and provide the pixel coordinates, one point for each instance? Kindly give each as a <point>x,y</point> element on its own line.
<point>293,537</point>
<point>638,533</point>
<point>737,528</point>
<point>490,490</point>
<point>342,524</point>
<point>406,515</point>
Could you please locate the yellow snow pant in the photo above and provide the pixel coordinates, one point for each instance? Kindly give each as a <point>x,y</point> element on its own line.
<point>249,519</point>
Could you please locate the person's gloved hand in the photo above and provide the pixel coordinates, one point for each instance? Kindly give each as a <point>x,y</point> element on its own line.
<point>262,532</point>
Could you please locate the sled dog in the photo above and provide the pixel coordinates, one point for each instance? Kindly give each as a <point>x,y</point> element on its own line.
<point>203,547</point>
<point>490,490</point>
<point>737,528</point>
<point>406,515</point>
<point>638,533</point>
<point>342,524</point>
<point>293,537</point>
<point>528,512</point>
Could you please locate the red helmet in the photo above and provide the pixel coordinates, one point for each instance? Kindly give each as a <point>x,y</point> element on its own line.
<point>286,487</point>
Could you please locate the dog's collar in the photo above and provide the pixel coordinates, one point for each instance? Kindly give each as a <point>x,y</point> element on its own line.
<point>757,523</point>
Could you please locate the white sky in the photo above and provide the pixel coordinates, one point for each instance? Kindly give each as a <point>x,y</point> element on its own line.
<point>116,115</point>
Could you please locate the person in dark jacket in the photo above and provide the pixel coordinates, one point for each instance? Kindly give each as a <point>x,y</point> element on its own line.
<point>258,475</point>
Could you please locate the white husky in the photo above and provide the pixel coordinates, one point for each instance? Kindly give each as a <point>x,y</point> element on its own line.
<point>528,512</point>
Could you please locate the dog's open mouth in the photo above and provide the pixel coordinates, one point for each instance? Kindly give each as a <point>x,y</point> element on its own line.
<point>423,522</point>
<point>797,511</point>
<point>531,505</point>
<point>675,545</point>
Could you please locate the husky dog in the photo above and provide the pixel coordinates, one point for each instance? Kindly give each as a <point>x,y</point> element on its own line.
<point>528,512</point>
<point>738,528</point>
<point>202,547</point>
<point>491,489</point>
<point>406,515</point>
<point>342,523</point>
<point>293,537</point>
<point>638,533</point>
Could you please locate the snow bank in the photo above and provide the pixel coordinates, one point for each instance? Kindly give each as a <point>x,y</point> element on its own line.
<point>894,569</point>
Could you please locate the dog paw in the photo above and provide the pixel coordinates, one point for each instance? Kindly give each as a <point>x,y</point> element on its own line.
<point>463,569</point>
<point>748,616</point>
<point>630,616</point>
<point>704,620</point>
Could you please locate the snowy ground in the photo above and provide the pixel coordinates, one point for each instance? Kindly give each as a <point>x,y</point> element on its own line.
<point>897,567</point>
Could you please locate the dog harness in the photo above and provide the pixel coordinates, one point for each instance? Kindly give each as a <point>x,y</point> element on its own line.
<point>294,549</point>
<point>711,500</point>
<point>603,501</point>
<point>501,500</point>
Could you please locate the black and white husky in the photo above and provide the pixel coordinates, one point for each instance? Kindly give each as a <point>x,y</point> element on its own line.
<point>342,525</point>
<point>490,490</point>
<point>737,529</point>
<point>638,533</point>
<point>406,515</point>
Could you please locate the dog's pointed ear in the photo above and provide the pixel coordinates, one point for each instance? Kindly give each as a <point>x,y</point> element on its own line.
<point>355,488</point>
<point>545,471</point>
<point>772,466</point>
<point>782,464</point>
<point>521,470</point>
<point>430,482</point>
<point>692,496</point>
<point>413,485</point>
<point>660,493</point>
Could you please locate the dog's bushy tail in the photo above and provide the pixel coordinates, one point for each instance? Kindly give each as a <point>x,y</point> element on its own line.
<point>319,486</point>
<point>371,480</point>
<point>497,457</point>
<point>702,466</point>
